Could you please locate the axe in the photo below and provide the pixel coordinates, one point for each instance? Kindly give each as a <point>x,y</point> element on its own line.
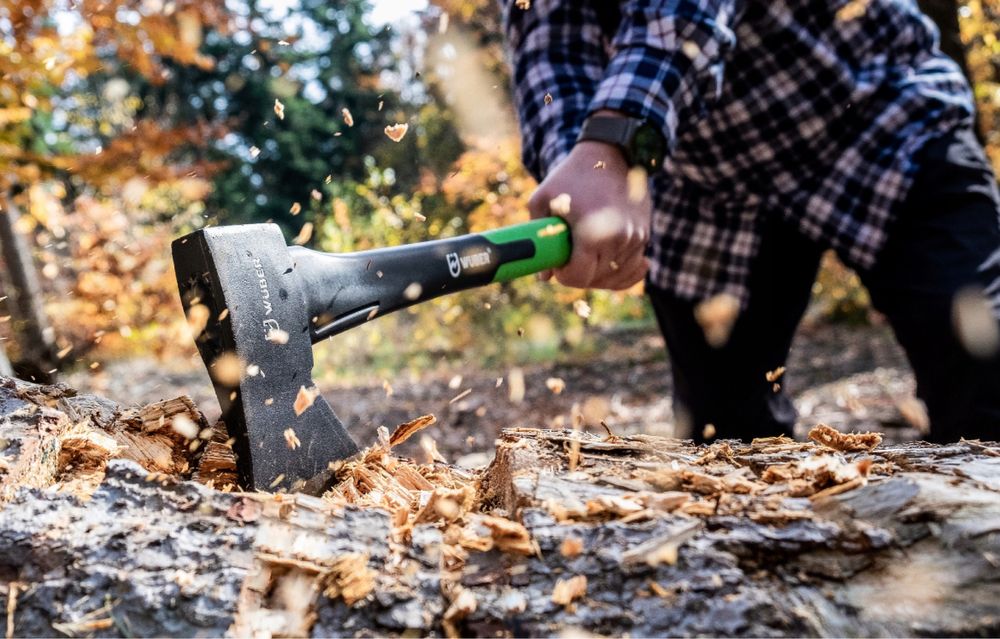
<point>268,303</point>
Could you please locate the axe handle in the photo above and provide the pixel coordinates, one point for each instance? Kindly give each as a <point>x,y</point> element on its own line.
<point>345,290</point>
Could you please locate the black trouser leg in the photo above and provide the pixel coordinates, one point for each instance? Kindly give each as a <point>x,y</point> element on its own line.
<point>946,237</point>
<point>726,387</point>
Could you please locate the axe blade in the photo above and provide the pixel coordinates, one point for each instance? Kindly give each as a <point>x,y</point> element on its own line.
<point>256,309</point>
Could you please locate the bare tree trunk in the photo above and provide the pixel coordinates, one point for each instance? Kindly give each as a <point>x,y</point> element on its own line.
<point>34,337</point>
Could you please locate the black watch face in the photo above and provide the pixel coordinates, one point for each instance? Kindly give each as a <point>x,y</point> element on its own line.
<point>648,147</point>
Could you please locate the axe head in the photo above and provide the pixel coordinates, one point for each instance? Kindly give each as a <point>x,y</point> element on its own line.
<point>258,327</point>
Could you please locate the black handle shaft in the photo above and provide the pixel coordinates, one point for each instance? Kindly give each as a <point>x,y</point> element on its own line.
<point>344,290</point>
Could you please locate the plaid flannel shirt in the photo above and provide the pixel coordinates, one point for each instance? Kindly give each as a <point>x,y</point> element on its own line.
<point>811,110</point>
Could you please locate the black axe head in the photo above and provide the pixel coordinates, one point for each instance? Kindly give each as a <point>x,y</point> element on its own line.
<point>256,311</point>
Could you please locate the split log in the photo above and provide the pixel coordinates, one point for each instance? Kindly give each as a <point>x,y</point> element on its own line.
<point>645,536</point>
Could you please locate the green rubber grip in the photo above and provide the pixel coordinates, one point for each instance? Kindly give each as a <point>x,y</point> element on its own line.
<point>551,238</point>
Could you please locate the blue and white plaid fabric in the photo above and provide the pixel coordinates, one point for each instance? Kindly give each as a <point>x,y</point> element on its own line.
<point>810,110</point>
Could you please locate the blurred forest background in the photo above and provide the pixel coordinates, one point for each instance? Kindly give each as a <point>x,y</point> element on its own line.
<point>124,123</point>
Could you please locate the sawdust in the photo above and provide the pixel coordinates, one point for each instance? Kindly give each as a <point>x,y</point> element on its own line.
<point>463,604</point>
<point>508,535</point>
<point>844,442</point>
<point>569,590</point>
<point>349,578</point>
<point>571,547</point>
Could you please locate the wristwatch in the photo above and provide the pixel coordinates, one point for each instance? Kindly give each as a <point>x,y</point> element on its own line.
<point>640,142</point>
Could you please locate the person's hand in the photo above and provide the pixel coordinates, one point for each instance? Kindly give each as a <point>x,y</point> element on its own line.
<point>609,225</point>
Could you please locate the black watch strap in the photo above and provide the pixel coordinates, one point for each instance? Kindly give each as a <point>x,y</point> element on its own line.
<point>611,129</point>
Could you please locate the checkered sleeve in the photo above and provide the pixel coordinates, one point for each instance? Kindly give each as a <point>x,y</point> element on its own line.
<point>557,53</point>
<point>667,60</point>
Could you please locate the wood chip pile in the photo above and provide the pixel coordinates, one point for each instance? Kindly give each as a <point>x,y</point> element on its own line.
<point>122,522</point>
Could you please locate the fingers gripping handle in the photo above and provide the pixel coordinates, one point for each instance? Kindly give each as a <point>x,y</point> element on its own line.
<point>345,290</point>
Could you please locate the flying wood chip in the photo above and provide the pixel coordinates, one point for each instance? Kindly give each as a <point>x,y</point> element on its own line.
<point>296,208</point>
<point>227,369</point>
<point>305,233</point>
<point>560,204</point>
<point>305,399</point>
<point>717,315</point>
<point>279,109</point>
<point>277,336</point>
<point>348,118</point>
<point>395,132</point>
<point>407,429</point>
<point>292,439</point>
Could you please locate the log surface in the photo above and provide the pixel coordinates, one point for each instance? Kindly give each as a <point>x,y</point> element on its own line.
<point>564,531</point>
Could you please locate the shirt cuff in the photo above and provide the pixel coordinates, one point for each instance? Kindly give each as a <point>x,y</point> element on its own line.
<point>643,83</point>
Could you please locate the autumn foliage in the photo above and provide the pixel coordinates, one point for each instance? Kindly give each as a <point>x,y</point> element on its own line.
<point>124,123</point>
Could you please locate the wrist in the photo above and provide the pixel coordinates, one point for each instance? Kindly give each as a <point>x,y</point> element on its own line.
<point>638,141</point>
<point>600,156</point>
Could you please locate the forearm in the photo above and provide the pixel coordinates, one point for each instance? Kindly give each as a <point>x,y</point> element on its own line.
<point>667,60</point>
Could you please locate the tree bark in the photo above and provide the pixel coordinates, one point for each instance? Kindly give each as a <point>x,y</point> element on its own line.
<point>34,337</point>
<point>563,532</point>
